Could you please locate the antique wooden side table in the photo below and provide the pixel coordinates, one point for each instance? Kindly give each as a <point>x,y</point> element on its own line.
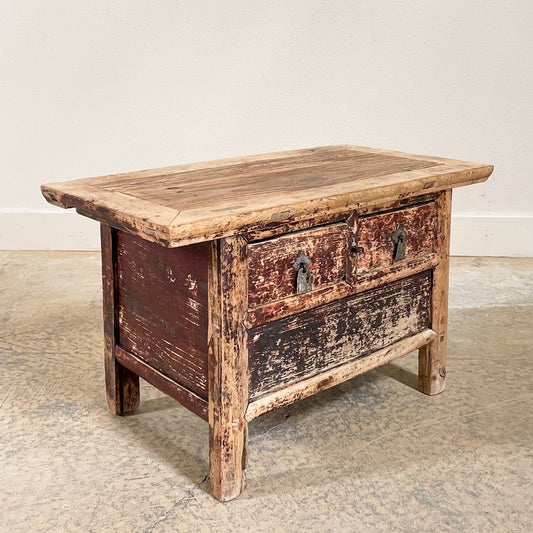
<point>242,285</point>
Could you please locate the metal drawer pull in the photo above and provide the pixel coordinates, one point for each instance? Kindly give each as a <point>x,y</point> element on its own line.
<point>303,276</point>
<point>398,238</point>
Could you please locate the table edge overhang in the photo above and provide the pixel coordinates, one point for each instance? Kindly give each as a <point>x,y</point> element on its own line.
<point>172,228</point>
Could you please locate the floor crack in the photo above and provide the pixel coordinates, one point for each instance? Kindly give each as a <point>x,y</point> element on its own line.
<point>286,416</point>
<point>185,500</point>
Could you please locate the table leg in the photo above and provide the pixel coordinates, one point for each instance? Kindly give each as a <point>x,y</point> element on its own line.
<point>228,367</point>
<point>432,357</point>
<point>122,385</point>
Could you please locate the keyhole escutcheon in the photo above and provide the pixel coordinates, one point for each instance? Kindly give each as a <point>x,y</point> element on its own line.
<point>399,238</point>
<point>303,275</point>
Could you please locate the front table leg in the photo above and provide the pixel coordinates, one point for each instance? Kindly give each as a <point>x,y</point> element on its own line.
<point>122,385</point>
<point>228,366</point>
<point>432,358</point>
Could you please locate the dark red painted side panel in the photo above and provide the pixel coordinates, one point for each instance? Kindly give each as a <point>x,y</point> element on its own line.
<point>162,307</point>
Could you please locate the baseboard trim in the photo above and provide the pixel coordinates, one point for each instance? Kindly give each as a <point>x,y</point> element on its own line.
<point>497,235</point>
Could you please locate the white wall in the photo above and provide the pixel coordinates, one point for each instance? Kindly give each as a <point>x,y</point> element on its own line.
<point>96,87</point>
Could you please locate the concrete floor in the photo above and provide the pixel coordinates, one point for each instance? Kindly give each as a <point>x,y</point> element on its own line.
<point>371,454</point>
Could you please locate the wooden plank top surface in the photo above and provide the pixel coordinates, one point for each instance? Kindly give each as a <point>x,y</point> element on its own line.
<point>196,202</point>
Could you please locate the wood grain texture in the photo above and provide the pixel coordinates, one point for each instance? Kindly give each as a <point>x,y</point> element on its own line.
<point>329,378</point>
<point>122,385</point>
<point>274,228</point>
<point>317,169</point>
<point>184,396</point>
<point>375,246</point>
<point>162,307</point>
<point>380,206</point>
<point>432,358</point>
<point>228,367</point>
<point>271,263</point>
<point>289,349</point>
<point>191,203</point>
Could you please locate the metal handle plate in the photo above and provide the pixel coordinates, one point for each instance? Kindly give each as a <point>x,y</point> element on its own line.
<point>399,238</point>
<point>303,275</point>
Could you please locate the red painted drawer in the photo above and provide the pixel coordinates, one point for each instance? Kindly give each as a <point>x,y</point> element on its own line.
<point>376,239</point>
<point>272,275</point>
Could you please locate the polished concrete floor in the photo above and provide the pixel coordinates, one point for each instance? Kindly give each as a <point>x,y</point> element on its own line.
<point>372,454</point>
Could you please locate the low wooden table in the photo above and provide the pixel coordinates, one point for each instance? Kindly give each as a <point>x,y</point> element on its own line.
<point>242,285</point>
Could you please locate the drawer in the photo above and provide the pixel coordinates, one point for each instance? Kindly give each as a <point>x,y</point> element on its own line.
<point>295,263</point>
<point>293,348</point>
<point>379,235</point>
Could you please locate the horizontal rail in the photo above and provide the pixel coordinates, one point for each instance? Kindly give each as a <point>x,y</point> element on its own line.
<point>181,394</point>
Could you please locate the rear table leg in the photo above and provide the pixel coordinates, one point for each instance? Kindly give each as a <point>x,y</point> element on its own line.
<point>122,385</point>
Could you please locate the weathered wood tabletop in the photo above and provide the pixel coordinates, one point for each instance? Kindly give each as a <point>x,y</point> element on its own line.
<point>184,204</point>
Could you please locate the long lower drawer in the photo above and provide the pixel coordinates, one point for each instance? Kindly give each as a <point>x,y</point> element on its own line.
<point>287,350</point>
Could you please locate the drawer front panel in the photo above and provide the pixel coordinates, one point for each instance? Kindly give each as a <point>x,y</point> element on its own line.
<point>376,236</point>
<point>292,348</point>
<point>272,275</point>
